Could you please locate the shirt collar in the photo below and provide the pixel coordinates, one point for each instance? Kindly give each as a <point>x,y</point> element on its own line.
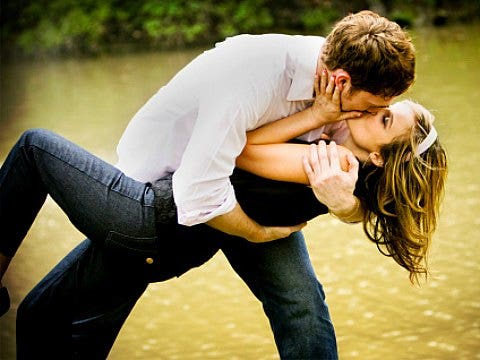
<point>305,66</point>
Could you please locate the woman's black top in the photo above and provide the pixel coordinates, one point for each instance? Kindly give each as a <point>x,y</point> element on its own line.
<point>269,202</point>
<point>275,203</point>
<point>280,203</point>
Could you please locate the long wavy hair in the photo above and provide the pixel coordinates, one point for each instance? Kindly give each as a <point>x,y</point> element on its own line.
<point>409,188</point>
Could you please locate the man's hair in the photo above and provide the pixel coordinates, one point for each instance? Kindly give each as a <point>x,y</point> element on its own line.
<point>376,52</point>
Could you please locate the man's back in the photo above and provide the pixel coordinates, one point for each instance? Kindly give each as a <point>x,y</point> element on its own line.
<point>196,124</point>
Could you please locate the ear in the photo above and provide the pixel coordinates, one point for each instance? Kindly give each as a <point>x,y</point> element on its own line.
<point>341,78</point>
<point>376,159</point>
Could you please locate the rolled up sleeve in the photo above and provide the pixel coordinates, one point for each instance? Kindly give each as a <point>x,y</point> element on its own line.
<point>233,100</point>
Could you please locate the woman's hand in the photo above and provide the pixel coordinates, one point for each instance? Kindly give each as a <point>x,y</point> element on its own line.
<point>327,106</point>
<point>332,185</point>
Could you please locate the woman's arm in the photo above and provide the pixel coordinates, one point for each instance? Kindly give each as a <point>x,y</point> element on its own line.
<point>266,154</point>
<point>282,162</point>
<point>325,109</point>
<point>285,129</point>
<point>332,172</point>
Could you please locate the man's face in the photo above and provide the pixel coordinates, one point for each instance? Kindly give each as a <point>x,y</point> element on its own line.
<point>362,101</point>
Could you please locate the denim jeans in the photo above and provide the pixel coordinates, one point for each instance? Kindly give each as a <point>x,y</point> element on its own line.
<point>99,199</point>
<point>77,310</point>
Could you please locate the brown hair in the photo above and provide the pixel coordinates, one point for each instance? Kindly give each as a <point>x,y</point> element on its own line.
<point>378,55</point>
<point>402,214</point>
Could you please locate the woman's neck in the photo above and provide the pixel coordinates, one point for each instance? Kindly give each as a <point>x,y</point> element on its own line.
<point>359,153</point>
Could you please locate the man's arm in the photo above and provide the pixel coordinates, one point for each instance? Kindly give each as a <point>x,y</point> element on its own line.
<point>237,223</point>
<point>202,190</point>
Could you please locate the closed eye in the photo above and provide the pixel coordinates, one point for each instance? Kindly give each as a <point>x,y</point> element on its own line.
<point>388,120</point>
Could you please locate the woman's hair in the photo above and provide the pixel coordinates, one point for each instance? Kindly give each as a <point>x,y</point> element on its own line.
<point>376,52</point>
<point>402,215</point>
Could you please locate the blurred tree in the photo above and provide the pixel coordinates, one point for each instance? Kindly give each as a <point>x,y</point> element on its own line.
<point>91,26</point>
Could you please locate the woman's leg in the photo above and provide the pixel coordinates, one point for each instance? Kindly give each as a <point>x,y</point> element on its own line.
<point>99,200</point>
<point>281,276</point>
<point>97,197</point>
<point>78,309</point>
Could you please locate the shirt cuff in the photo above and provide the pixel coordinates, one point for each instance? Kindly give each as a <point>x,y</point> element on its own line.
<point>194,215</point>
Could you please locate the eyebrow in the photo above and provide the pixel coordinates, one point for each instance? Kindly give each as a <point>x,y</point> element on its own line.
<point>376,107</point>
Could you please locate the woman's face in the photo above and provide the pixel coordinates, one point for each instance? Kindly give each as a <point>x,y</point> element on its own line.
<point>375,129</point>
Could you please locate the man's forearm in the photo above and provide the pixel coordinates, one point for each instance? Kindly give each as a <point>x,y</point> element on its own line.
<point>237,223</point>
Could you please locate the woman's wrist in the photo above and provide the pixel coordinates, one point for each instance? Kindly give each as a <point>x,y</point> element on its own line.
<point>352,213</point>
<point>316,118</point>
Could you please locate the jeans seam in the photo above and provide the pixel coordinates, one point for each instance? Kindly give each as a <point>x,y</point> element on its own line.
<point>83,172</point>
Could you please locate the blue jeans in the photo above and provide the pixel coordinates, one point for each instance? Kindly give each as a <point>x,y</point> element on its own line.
<point>77,310</point>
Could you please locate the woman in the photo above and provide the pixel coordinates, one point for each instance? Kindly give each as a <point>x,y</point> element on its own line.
<point>403,174</point>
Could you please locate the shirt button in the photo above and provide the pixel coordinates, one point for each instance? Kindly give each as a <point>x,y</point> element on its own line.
<point>149,260</point>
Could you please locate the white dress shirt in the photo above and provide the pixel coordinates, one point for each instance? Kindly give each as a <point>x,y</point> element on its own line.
<point>196,124</point>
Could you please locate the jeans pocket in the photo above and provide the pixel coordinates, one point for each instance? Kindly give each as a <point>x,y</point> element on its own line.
<point>143,246</point>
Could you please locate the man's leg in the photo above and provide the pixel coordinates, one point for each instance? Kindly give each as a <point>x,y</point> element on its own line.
<point>77,310</point>
<point>281,276</point>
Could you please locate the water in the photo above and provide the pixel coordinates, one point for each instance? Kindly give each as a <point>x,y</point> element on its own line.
<point>209,313</point>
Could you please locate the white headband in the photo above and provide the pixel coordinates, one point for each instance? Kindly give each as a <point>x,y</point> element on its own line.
<point>427,142</point>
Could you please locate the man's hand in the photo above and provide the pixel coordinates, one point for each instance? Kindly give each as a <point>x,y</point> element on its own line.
<point>237,223</point>
<point>271,233</point>
<point>332,185</point>
<point>327,107</point>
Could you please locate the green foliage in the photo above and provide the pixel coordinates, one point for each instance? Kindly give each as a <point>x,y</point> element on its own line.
<point>90,26</point>
<point>178,22</point>
<point>247,16</point>
<point>62,25</point>
<point>404,18</point>
<point>320,18</point>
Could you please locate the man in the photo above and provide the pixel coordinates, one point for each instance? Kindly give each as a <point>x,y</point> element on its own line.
<point>195,126</point>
